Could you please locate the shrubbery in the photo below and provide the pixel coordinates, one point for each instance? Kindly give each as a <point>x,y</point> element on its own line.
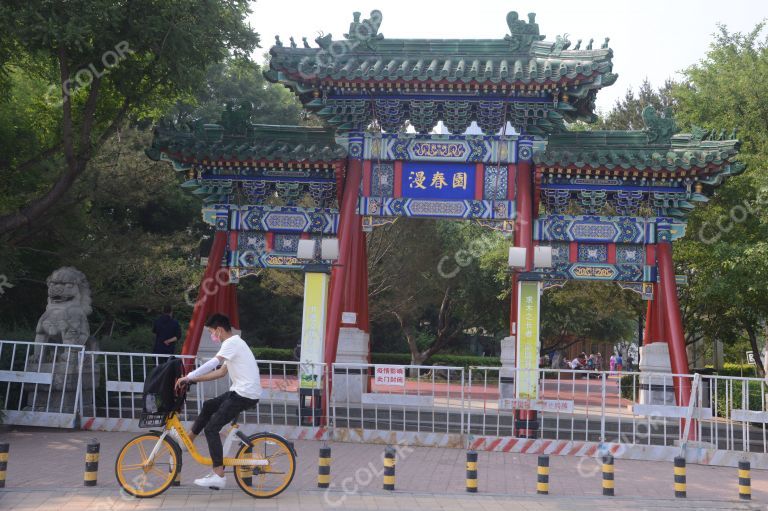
<point>390,358</point>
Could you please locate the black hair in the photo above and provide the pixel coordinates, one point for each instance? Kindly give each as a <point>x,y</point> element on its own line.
<point>167,309</point>
<point>219,320</point>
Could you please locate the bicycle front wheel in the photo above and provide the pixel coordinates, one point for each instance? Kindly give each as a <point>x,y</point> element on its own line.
<point>141,478</point>
<point>271,479</point>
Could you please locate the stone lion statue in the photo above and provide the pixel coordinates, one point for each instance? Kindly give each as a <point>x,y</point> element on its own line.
<point>65,320</point>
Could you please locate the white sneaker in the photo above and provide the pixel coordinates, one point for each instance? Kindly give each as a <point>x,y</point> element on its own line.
<point>212,481</point>
<point>175,435</point>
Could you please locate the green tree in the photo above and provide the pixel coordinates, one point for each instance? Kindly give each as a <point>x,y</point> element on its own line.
<point>108,61</point>
<point>597,311</point>
<point>129,226</point>
<point>626,113</point>
<point>725,250</point>
<point>430,282</point>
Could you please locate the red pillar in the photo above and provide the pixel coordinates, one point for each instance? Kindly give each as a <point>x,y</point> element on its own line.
<point>674,325</point>
<point>525,230</point>
<point>347,223</point>
<point>511,194</point>
<point>525,210</point>
<point>206,296</point>
<point>660,315</point>
<point>352,278</point>
<point>364,322</point>
<point>649,319</point>
<point>234,307</point>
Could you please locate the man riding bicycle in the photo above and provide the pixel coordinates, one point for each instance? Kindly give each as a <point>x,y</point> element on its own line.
<point>236,359</point>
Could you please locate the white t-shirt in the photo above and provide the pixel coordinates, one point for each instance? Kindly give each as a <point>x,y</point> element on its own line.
<point>241,366</point>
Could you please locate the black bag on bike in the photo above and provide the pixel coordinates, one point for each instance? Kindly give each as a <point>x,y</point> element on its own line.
<point>159,393</point>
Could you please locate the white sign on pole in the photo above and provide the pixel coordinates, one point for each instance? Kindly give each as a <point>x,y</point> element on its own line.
<point>750,358</point>
<point>389,375</point>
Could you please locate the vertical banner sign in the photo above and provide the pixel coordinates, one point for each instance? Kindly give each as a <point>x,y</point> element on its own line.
<point>313,329</point>
<point>527,381</point>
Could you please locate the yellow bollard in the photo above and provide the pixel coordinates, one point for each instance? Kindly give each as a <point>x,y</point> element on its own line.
<point>542,476</point>
<point>324,468</point>
<point>745,481</point>
<point>472,471</point>
<point>389,468</point>
<point>4,447</point>
<point>91,463</point>
<point>608,483</point>
<point>680,485</point>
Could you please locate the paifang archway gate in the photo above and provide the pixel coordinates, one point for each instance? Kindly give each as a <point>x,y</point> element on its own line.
<point>609,203</point>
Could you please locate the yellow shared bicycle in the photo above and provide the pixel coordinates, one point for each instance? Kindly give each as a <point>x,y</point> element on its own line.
<point>263,466</point>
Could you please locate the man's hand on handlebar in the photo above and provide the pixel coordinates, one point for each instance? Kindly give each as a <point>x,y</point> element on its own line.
<point>182,384</point>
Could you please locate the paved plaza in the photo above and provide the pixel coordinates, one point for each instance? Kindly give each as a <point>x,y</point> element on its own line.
<point>45,471</point>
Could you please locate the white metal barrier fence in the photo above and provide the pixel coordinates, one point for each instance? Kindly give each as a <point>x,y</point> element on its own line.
<point>40,384</point>
<point>113,386</point>
<point>574,412</point>
<point>370,402</point>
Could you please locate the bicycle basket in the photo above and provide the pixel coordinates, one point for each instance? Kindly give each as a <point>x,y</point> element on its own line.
<point>152,420</point>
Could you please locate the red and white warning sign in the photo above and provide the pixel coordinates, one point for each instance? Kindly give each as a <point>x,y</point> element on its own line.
<point>389,375</point>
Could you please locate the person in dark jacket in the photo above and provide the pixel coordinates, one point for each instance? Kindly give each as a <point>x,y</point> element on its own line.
<point>167,332</point>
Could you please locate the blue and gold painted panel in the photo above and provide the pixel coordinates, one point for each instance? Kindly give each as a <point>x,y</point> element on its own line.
<point>438,180</point>
<point>604,229</point>
<point>442,148</point>
<point>431,208</point>
<point>279,219</point>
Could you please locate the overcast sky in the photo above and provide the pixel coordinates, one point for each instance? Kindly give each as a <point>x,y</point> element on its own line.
<point>650,38</point>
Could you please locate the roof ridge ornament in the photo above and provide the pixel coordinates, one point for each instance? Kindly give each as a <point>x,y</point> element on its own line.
<point>660,128</point>
<point>522,34</point>
<point>366,31</point>
<point>236,117</point>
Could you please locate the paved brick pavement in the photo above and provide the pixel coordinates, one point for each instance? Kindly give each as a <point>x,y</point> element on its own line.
<point>45,471</point>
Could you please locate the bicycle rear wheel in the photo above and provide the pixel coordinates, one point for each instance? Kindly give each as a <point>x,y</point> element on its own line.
<point>269,480</point>
<point>142,479</point>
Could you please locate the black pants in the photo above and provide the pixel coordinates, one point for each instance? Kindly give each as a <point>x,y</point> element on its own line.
<point>216,413</point>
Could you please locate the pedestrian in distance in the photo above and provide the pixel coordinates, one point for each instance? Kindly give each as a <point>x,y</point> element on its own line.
<point>167,333</point>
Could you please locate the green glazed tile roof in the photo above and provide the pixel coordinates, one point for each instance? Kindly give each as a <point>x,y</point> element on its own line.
<point>212,142</point>
<point>655,148</point>
<point>520,57</point>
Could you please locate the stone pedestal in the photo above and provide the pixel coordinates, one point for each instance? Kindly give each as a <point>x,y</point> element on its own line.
<point>349,383</point>
<point>61,395</point>
<point>507,371</point>
<point>656,388</point>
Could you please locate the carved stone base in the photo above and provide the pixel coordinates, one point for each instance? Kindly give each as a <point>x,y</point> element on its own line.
<point>61,394</point>
<point>656,389</point>
<point>349,383</point>
<point>507,371</point>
